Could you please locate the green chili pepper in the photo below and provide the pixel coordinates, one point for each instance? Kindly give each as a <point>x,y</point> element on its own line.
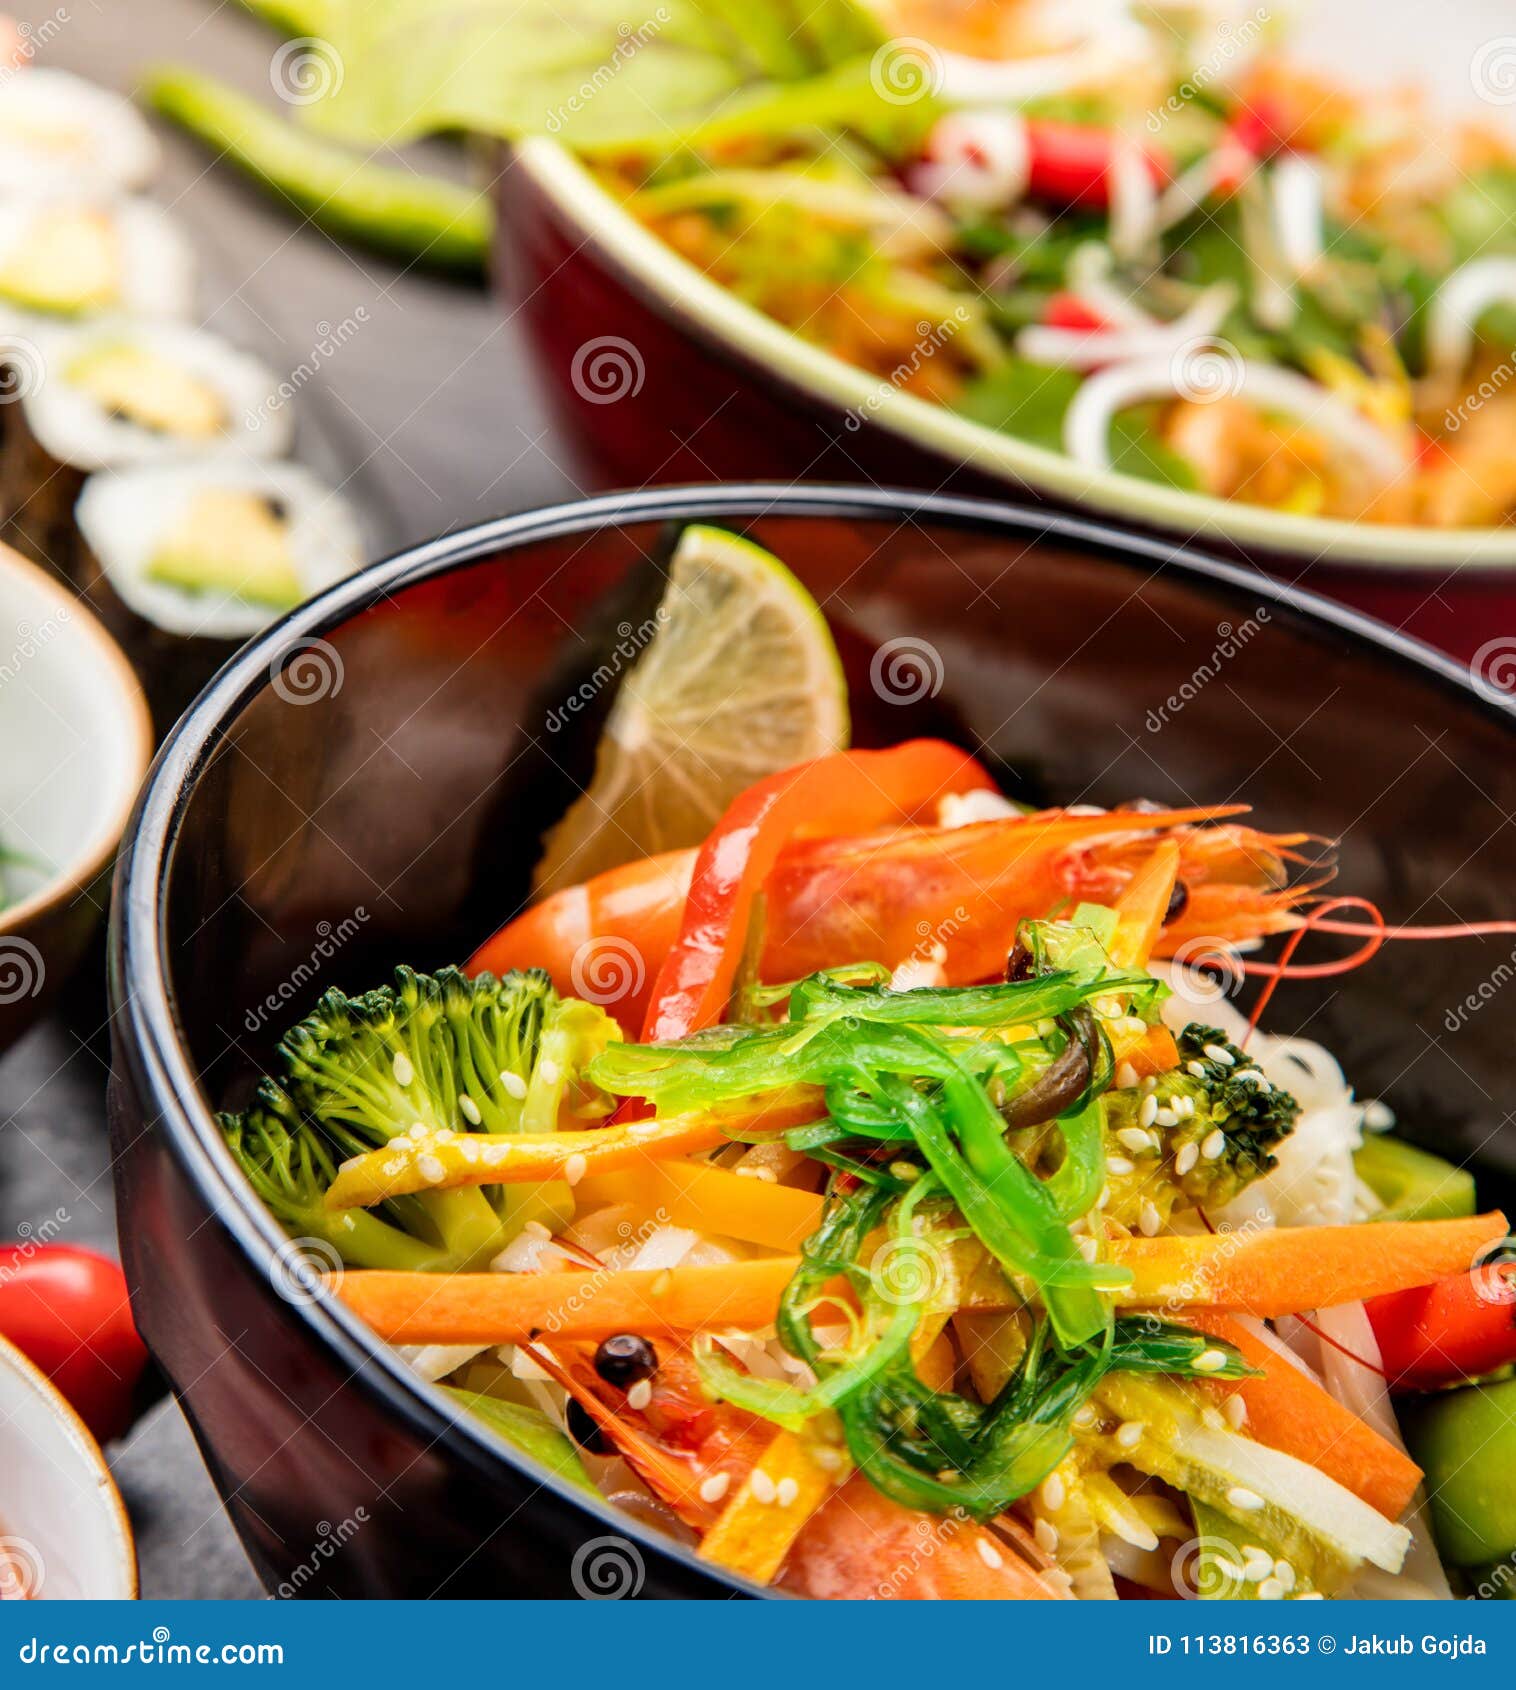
<point>413,218</point>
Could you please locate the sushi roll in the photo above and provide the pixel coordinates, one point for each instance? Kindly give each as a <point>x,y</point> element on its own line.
<point>118,392</point>
<point>57,130</point>
<point>79,253</point>
<point>186,560</point>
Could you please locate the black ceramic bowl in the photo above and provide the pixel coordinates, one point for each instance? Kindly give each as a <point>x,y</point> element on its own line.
<point>364,786</point>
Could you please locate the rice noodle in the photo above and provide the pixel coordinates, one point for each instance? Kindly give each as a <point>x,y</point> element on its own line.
<point>1143,346</point>
<point>1453,316</point>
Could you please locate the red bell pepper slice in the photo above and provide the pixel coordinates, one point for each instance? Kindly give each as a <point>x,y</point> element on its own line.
<point>1069,311</point>
<point>1070,163</point>
<point>850,792</point>
<point>1455,1329</point>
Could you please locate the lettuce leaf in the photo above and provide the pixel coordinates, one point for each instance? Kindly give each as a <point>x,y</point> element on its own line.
<point>601,74</point>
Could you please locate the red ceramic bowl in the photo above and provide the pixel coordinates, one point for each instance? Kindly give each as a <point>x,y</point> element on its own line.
<point>659,375</point>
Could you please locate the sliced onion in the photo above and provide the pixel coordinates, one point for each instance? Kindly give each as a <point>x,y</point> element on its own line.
<point>1091,349</point>
<point>1461,301</point>
<point>1134,201</point>
<point>1111,46</point>
<point>980,159</point>
<point>1089,279</point>
<point>1299,197</point>
<point>1087,424</point>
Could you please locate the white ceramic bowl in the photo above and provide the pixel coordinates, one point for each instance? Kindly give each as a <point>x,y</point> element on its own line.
<point>75,742</point>
<point>63,1527</point>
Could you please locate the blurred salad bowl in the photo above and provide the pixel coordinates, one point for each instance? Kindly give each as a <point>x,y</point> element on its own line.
<point>64,1531</point>
<point>277,853</point>
<point>74,746</point>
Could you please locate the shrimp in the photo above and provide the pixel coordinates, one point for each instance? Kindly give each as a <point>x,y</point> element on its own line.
<point>955,895</point>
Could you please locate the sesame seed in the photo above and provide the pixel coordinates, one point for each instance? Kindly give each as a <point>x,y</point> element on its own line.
<point>1150,1083</point>
<point>1129,1433</point>
<point>1189,1155</point>
<point>1271,1590</point>
<point>1108,1006</point>
<point>640,1395</point>
<point>1085,1416</point>
<point>1185,1106</point>
<point>470,1149</point>
<point>415,1130</point>
<point>1219,1053</point>
<point>1285,1573</point>
<point>1126,1076</point>
<point>1135,1139</point>
<point>1212,1145</point>
<point>431,1169</point>
<point>469,1110</point>
<point>404,1069</point>
<point>1247,1501</point>
<point>1088,1248</point>
<point>512,1084</point>
<point>787,1491</point>
<point>644,1129</point>
<point>1149,1221</point>
<point>1104,1197</point>
<point>1229,1570</point>
<point>1249,1076</point>
<point>1236,1411</point>
<point>989,1554</point>
<point>828,1460</point>
<point>1310,1596</point>
<point>747,1173</point>
<point>767,1175</point>
<point>1118,1165</point>
<point>1054,1491</point>
<point>1197,1068</point>
<point>1210,1361</point>
<point>1148,1113</point>
<point>1135,1025</point>
<point>762,1486</point>
<point>1166,1118</point>
<point>550,1071</point>
<point>715,1487</point>
<point>1256,1568</point>
<point>1046,1534</point>
<point>576,1167</point>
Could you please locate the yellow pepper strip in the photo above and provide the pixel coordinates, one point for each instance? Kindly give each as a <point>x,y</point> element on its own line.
<point>1142,906</point>
<point>515,1308</point>
<point>759,1525</point>
<point>694,1194</point>
<point>447,1161</point>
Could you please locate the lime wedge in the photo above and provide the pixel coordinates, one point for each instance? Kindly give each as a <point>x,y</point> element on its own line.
<point>739,679</point>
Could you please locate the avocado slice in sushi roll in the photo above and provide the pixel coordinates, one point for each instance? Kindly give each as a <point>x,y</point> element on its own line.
<point>117,392</point>
<point>76,253</point>
<point>185,560</point>
<point>58,129</point>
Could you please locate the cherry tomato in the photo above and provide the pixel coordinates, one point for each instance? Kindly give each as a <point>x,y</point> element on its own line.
<point>66,1309</point>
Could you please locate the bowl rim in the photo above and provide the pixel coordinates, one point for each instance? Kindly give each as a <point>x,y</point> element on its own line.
<point>679,291</point>
<point>146,1040</point>
<point>20,1366</point>
<point>79,874</point>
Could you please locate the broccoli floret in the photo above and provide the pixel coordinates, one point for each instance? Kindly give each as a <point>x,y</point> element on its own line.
<point>1216,1088</point>
<point>430,1054</point>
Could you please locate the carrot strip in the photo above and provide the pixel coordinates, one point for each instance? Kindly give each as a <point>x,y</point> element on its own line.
<point>1151,1052</point>
<point>1289,1411</point>
<point>1142,906</point>
<point>772,1506</point>
<point>447,1161</point>
<point>1288,1269</point>
<point>515,1308</point>
<point>694,1194</point>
